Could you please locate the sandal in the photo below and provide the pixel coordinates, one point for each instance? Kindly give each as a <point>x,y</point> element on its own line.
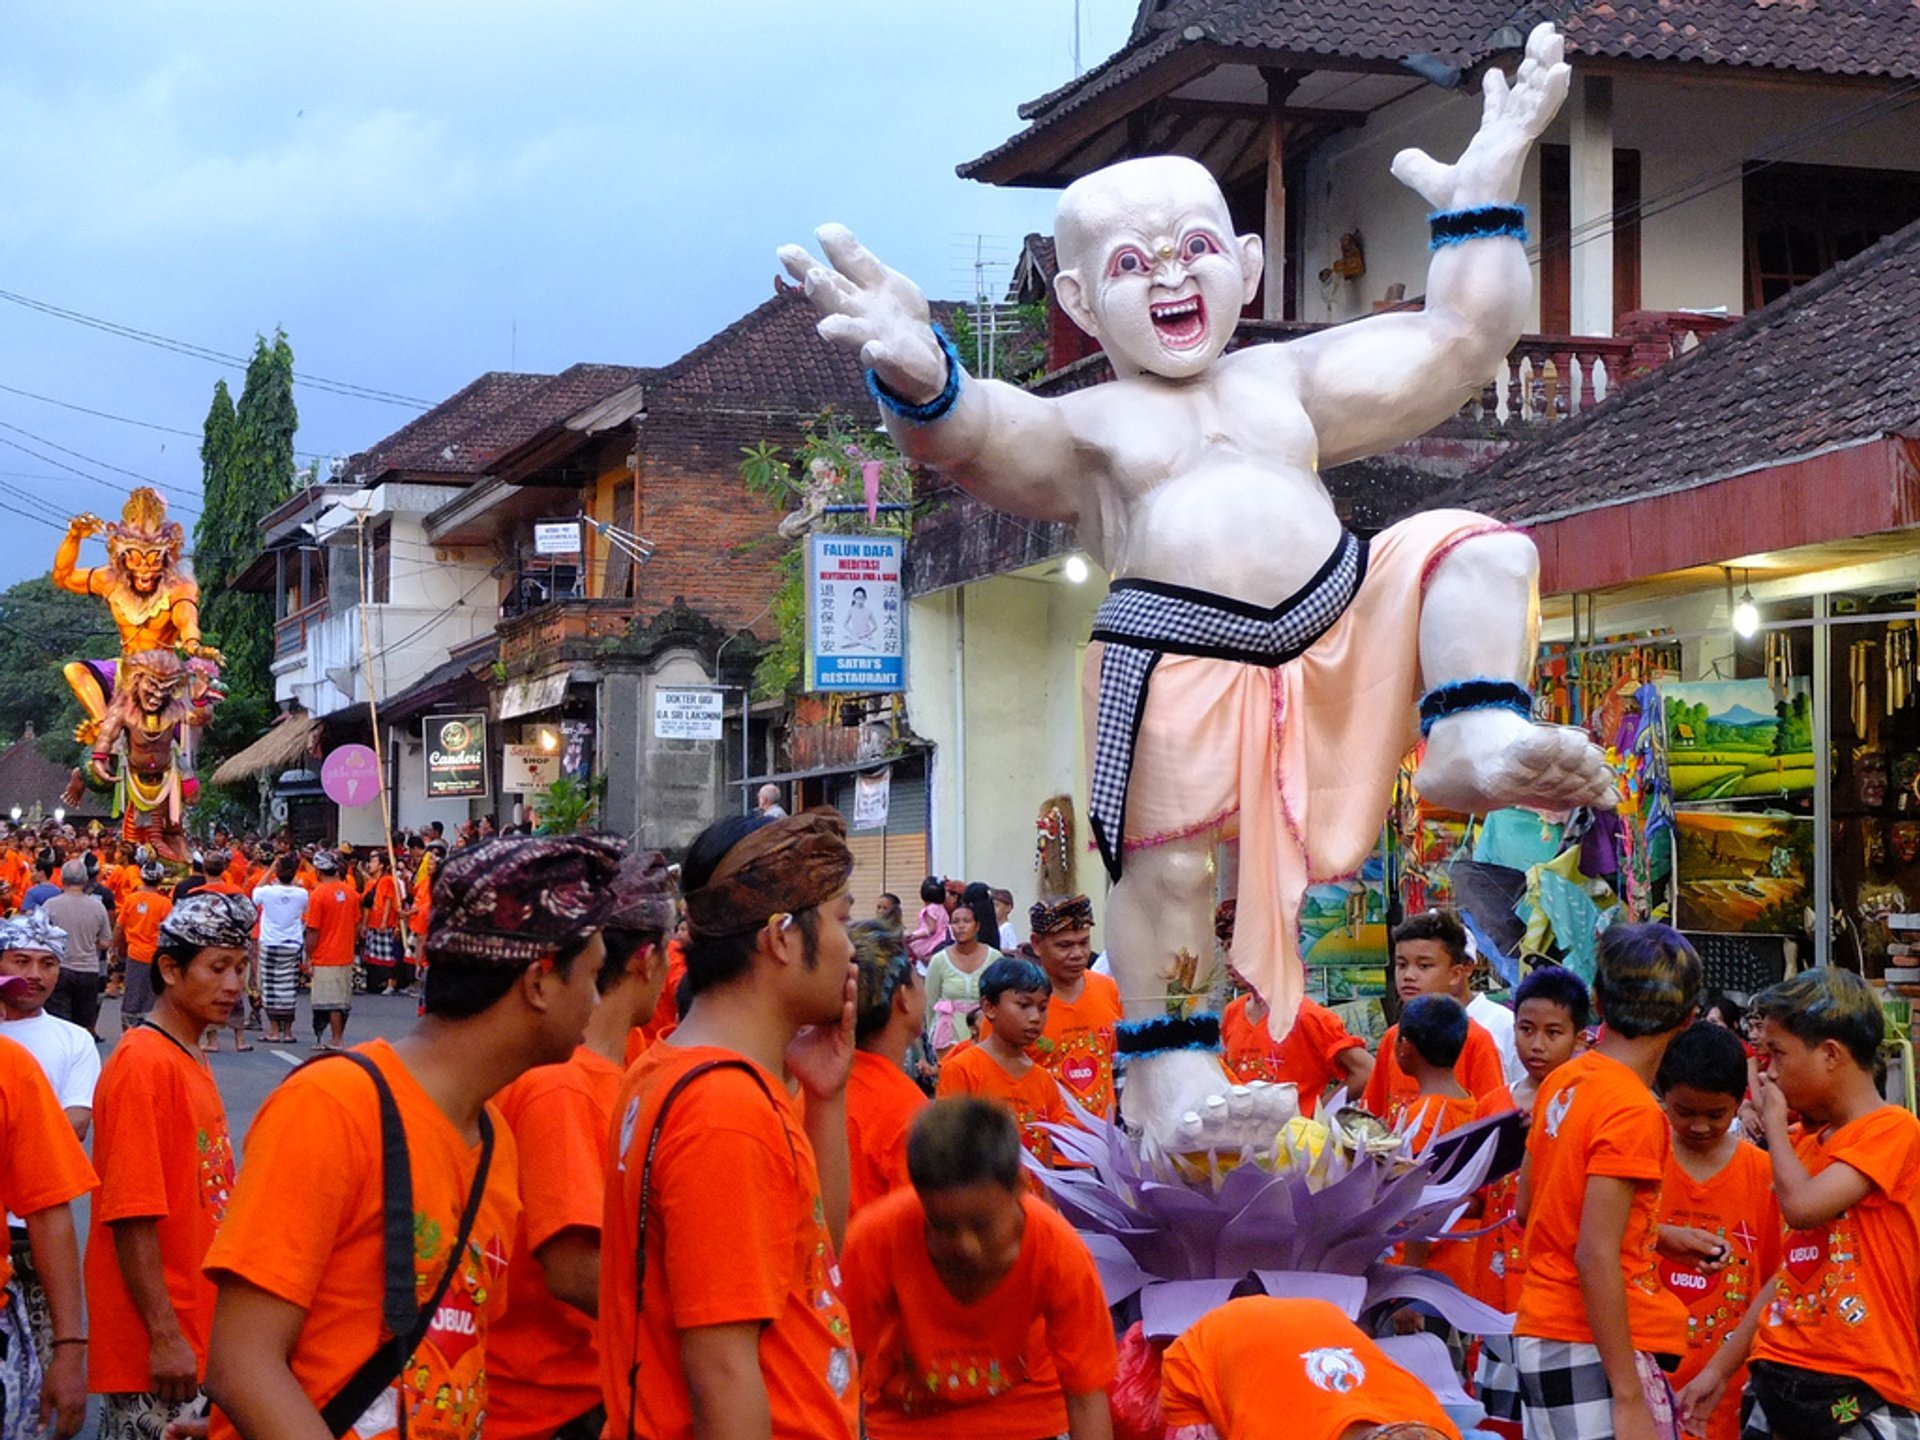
<point>241,1049</point>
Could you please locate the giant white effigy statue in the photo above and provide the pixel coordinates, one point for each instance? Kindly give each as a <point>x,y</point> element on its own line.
<point>1259,673</point>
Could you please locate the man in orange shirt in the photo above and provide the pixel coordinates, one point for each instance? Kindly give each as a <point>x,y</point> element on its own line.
<point>298,1325</point>
<point>1593,1313</point>
<point>1084,1010</point>
<point>42,1171</point>
<point>166,1170</point>
<point>544,1369</point>
<point>333,939</point>
<point>976,1309</point>
<point>882,1100</point>
<point>723,1197</point>
<point>1430,957</point>
<point>383,947</point>
<point>136,934</point>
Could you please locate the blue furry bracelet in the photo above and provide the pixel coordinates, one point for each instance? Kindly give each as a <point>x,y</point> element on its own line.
<point>1482,222</point>
<point>934,408</point>
<point>1463,695</point>
<point>1163,1033</point>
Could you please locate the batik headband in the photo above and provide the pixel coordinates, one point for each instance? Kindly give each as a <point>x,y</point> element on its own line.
<point>778,868</point>
<point>31,930</point>
<point>1051,917</point>
<point>504,904</point>
<point>210,920</point>
<point>643,894</point>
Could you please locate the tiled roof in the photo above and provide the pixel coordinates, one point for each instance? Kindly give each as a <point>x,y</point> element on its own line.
<point>769,359</point>
<point>1829,37</point>
<point>1833,362</point>
<point>28,778</point>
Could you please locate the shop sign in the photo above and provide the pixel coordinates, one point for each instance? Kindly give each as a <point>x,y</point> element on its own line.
<point>350,775</point>
<point>687,714</point>
<point>856,613</point>
<point>456,757</point>
<point>871,796</point>
<point>528,769</point>
<point>556,537</point>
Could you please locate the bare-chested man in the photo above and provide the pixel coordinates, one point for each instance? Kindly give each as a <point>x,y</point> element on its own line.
<point>1259,672</point>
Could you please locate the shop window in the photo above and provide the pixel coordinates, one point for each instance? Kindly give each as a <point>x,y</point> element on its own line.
<point>1802,220</point>
<point>1556,227</point>
<point>380,563</point>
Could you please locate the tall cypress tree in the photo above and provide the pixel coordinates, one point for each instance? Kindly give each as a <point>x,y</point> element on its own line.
<point>246,455</point>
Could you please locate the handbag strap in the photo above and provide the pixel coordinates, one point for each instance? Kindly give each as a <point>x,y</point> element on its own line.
<point>646,1195</point>
<point>403,1318</point>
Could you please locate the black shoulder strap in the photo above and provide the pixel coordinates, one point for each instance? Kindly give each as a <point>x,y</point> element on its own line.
<point>646,1194</point>
<point>404,1320</point>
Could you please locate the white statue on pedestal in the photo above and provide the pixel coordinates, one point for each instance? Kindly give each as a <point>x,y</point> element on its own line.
<point>1259,673</point>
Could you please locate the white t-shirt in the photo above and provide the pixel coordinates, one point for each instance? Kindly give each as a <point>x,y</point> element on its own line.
<point>1009,939</point>
<point>283,914</point>
<point>1497,1020</point>
<point>68,1058</point>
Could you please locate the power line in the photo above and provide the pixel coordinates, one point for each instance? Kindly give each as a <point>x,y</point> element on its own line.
<point>127,419</point>
<point>82,474</point>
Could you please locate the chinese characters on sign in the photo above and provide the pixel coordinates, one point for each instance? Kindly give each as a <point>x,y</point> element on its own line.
<point>856,613</point>
<point>456,757</point>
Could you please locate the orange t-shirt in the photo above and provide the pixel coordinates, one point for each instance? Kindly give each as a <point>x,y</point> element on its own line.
<point>422,905</point>
<point>1391,1090</point>
<point>1308,1059</point>
<point>383,905</point>
<point>736,1234</point>
<point>41,1163</point>
<point>1594,1116</point>
<point>222,886</point>
<point>15,873</point>
<point>306,877</point>
<point>541,1360</point>
<point>161,1145</point>
<point>1077,1046</point>
<point>1034,1098</point>
<point>932,1368</point>
<point>305,1225</point>
<point>120,880</point>
<point>666,1011</point>
<point>140,917</point>
<point>1738,1205</point>
<point>1847,1301</point>
<point>1436,1115</point>
<point>882,1104</point>
<point>1263,1368</point>
<point>333,914</point>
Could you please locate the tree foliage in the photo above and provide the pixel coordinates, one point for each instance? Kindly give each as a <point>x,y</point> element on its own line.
<point>41,628</point>
<point>246,455</point>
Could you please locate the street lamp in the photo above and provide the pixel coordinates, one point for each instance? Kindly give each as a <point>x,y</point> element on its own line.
<point>59,814</point>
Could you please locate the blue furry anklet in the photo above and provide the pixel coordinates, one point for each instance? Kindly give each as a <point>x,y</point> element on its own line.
<point>1463,695</point>
<point>1482,222</point>
<point>934,408</point>
<point>1165,1033</point>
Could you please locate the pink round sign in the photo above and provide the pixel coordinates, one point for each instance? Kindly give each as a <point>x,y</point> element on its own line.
<point>351,776</point>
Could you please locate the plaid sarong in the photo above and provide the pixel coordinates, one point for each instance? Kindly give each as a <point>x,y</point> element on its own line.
<point>1566,1395</point>
<point>280,978</point>
<point>1141,620</point>
<point>1496,1379</point>
<point>1890,1423</point>
<point>383,950</point>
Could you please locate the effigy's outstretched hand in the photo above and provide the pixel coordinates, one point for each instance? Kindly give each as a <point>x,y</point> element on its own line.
<point>1512,118</point>
<point>874,309</point>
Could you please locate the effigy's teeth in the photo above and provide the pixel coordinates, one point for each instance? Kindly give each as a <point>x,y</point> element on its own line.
<point>1214,1119</point>
<point>1187,1132</point>
<point>1240,1102</point>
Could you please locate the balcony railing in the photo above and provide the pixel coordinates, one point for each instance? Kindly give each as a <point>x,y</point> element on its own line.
<point>290,633</point>
<point>563,629</point>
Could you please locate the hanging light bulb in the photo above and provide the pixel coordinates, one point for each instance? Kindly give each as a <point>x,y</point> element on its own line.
<point>1746,615</point>
<point>1075,570</point>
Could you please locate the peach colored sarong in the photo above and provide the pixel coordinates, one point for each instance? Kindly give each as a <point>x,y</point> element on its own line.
<point>1299,759</point>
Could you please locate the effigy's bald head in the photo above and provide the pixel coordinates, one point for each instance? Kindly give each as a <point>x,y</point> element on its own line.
<point>1150,266</point>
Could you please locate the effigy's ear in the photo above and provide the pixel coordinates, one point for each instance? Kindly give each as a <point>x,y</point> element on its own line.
<point>1253,265</point>
<point>1072,296</point>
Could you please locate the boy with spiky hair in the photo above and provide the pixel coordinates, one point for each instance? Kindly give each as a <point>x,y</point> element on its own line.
<point>1013,1015</point>
<point>977,1311</point>
<point>1430,957</point>
<point>1593,1313</point>
<point>1839,1346</point>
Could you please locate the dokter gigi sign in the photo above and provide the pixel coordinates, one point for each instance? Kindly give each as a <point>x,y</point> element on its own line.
<point>456,757</point>
<point>856,613</point>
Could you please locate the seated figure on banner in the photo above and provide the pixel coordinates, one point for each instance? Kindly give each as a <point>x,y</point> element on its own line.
<point>1258,672</point>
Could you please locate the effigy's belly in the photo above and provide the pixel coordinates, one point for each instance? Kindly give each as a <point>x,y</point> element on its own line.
<point>1251,532</point>
<point>159,635</point>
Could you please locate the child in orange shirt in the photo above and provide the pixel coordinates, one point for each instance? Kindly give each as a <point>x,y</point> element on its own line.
<point>1084,1009</point>
<point>1013,1008</point>
<point>1839,1345</point>
<point>882,1100</point>
<point>1593,1313</point>
<point>1719,1225</point>
<point>1430,957</point>
<point>976,1309</point>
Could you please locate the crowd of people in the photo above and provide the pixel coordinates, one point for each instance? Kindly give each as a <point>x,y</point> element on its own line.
<point>692,1152</point>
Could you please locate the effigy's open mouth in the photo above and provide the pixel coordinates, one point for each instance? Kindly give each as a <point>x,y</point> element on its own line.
<point>1181,324</point>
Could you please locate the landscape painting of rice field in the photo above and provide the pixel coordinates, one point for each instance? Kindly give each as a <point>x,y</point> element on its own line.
<point>1734,740</point>
<point>1742,873</point>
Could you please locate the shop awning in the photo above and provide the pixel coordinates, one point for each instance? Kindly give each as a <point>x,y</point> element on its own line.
<point>279,749</point>
<point>530,696</point>
<point>822,772</point>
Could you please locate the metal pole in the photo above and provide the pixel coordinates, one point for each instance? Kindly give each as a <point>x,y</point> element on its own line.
<point>1822,785</point>
<point>373,704</point>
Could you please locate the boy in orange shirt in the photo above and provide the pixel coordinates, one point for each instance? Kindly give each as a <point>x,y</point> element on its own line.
<point>976,1309</point>
<point>1839,1344</point>
<point>1077,1046</point>
<point>544,1371</point>
<point>1719,1224</point>
<point>333,935</point>
<point>136,934</point>
<point>302,1261</point>
<point>1430,957</point>
<point>1317,1051</point>
<point>165,1159</point>
<point>1013,1009</point>
<point>882,1100</point>
<point>1593,1313</point>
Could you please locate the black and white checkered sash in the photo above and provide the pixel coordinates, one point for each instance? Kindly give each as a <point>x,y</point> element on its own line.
<point>1141,620</point>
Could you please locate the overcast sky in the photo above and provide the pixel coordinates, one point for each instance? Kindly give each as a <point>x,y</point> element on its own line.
<point>420,192</point>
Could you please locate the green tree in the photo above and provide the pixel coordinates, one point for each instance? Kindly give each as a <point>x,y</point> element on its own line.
<point>246,456</point>
<point>41,628</point>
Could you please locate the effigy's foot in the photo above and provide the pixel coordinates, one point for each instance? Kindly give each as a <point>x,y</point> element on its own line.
<point>1183,1102</point>
<point>1483,760</point>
